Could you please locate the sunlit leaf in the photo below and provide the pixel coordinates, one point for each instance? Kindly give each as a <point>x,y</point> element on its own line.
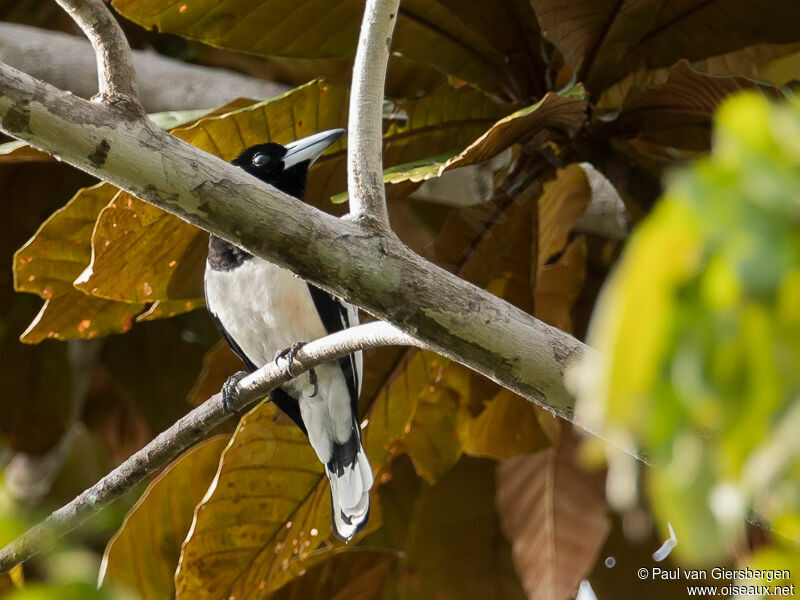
<point>144,552</point>
<point>507,427</point>
<point>142,254</point>
<point>164,309</point>
<point>563,201</point>
<point>21,152</point>
<point>269,509</point>
<point>558,285</point>
<point>555,515</point>
<point>51,260</point>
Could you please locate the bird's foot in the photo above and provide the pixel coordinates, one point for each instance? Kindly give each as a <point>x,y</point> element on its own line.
<point>288,354</point>
<point>229,392</point>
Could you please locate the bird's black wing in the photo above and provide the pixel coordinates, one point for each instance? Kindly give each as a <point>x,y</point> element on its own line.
<point>281,399</point>
<point>335,317</point>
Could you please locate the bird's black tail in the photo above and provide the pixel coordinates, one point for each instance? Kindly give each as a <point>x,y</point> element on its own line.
<point>350,476</point>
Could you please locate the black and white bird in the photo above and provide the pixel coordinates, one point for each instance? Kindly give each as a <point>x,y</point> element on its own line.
<point>264,311</point>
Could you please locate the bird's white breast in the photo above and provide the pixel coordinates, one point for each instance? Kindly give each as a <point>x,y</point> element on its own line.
<point>263,307</point>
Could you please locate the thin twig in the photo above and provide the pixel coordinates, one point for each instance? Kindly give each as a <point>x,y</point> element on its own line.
<point>365,120</point>
<point>116,77</point>
<point>189,429</point>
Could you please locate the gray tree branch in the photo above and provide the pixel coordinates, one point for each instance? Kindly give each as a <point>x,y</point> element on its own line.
<point>365,119</point>
<point>116,78</point>
<point>376,272</point>
<point>189,429</point>
<point>67,62</point>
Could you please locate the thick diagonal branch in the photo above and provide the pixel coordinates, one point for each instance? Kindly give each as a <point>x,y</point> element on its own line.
<point>116,78</point>
<point>188,430</point>
<point>376,272</point>
<point>365,121</point>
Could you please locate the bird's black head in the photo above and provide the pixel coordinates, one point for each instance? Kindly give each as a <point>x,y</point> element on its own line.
<point>286,167</point>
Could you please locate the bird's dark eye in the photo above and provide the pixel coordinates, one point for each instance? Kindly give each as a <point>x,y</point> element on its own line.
<point>260,160</point>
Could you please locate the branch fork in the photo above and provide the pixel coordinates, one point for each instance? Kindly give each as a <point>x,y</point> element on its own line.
<point>373,269</point>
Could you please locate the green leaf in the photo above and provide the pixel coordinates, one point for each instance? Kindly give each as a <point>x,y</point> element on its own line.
<point>144,552</point>
<point>425,31</point>
<point>697,354</point>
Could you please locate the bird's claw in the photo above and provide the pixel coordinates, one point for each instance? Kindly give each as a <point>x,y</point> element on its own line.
<point>229,392</point>
<point>312,379</point>
<point>288,354</point>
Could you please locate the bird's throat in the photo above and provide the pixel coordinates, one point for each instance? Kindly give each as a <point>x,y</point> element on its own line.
<point>224,256</point>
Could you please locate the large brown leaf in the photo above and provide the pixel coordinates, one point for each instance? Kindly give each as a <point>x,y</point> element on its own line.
<point>604,40</point>
<point>678,112</point>
<point>269,508</point>
<point>754,61</point>
<point>594,35</point>
<point>61,250</point>
<point>453,546</point>
<point>562,114</point>
<point>143,553</point>
<point>556,517</point>
<point>51,260</point>
<point>425,31</point>
<point>507,427</point>
<point>353,575</point>
<point>144,254</point>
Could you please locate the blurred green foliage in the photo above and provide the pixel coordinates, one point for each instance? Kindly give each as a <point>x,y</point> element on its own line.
<point>700,333</point>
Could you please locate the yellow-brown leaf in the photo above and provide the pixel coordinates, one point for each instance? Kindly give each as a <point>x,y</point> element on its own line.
<point>144,552</point>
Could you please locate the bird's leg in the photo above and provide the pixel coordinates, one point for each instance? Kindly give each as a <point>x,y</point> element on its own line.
<point>288,354</point>
<point>229,391</point>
